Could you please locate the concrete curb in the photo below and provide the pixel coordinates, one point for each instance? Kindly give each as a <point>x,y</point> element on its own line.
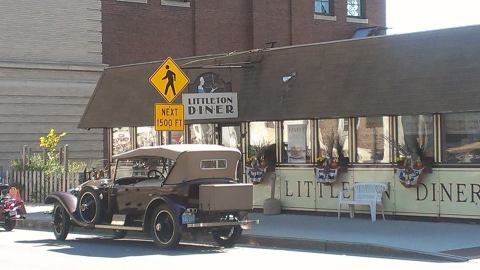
<point>257,241</point>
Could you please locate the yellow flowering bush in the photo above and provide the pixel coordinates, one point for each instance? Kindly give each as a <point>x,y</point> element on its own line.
<point>51,141</point>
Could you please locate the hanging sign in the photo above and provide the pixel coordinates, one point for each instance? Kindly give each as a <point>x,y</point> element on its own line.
<point>210,105</point>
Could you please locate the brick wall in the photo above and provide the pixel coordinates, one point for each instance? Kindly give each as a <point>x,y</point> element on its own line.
<point>139,32</point>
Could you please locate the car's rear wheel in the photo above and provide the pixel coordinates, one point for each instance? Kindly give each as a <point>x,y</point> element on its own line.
<point>61,222</point>
<point>9,224</point>
<point>227,237</point>
<point>165,227</point>
<point>89,206</point>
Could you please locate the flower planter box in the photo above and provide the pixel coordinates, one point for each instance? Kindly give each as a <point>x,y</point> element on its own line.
<point>325,175</point>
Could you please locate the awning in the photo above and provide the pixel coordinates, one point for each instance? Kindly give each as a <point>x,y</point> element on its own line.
<point>426,72</point>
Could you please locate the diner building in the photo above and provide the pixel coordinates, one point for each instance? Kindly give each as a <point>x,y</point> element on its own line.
<point>371,107</point>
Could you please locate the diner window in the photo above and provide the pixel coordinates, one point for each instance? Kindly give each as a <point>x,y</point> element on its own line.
<point>121,140</point>
<point>297,141</point>
<point>415,138</point>
<point>356,8</point>
<point>262,142</point>
<point>173,137</point>
<point>461,138</point>
<point>324,7</point>
<point>146,136</point>
<point>373,139</point>
<point>333,139</point>
<point>202,133</point>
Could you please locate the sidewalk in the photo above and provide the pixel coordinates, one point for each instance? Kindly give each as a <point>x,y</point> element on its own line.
<point>438,241</point>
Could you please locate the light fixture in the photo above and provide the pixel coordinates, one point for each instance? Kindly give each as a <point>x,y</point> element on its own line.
<point>287,78</point>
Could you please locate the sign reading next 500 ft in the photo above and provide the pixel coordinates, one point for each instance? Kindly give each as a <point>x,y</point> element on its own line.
<point>210,105</point>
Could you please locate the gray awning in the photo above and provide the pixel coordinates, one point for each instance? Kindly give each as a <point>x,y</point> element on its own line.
<point>427,72</point>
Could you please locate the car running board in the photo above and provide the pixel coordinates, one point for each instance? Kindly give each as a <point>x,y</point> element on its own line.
<point>223,223</point>
<point>116,227</point>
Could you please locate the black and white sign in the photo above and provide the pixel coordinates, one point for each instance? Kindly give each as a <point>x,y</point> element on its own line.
<point>210,105</point>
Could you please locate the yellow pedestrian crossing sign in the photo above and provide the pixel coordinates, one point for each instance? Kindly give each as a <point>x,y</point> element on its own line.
<point>169,80</point>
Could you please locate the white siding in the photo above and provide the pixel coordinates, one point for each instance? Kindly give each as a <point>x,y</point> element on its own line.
<point>51,31</point>
<point>50,62</point>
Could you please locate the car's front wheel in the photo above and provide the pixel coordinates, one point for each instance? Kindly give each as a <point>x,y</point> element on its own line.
<point>165,227</point>
<point>227,237</point>
<point>61,222</point>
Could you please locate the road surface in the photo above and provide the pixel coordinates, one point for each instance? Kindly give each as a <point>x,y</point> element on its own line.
<point>38,250</point>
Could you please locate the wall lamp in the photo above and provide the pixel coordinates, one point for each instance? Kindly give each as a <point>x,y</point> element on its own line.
<point>288,77</point>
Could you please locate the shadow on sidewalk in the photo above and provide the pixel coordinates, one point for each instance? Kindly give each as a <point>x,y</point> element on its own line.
<point>106,247</point>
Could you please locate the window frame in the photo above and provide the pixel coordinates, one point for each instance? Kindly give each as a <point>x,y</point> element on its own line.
<point>283,151</point>
<point>217,164</point>
<point>363,9</point>
<point>441,143</point>
<point>331,8</point>
<point>348,140</point>
<point>391,134</point>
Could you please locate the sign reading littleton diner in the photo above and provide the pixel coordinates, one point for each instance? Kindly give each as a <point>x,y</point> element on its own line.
<point>169,117</point>
<point>210,105</point>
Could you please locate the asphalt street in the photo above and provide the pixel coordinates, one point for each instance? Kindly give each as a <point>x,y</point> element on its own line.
<point>24,249</point>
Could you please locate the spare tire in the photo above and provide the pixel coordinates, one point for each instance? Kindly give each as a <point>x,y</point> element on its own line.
<point>89,206</point>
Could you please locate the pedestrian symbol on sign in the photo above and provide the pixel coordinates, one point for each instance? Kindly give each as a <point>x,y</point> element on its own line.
<point>169,80</point>
<point>170,76</point>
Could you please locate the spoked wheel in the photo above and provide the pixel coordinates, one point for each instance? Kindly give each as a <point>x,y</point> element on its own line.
<point>9,225</point>
<point>61,222</point>
<point>119,234</point>
<point>227,237</point>
<point>165,228</point>
<point>89,206</point>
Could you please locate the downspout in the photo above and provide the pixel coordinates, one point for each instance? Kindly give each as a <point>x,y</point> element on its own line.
<point>194,26</point>
<point>291,22</point>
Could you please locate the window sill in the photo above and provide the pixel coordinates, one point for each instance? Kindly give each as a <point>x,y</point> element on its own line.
<point>175,3</point>
<point>134,1</point>
<point>294,165</point>
<point>324,17</point>
<point>357,20</point>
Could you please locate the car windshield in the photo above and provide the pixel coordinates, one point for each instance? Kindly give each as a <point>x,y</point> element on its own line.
<point>144,167</point>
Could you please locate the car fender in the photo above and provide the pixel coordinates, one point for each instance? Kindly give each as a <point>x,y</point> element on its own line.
<point>177,207</point>
<point>69,202</point>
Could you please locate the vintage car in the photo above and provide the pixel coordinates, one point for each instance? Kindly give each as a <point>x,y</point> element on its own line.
<point>167,191</point>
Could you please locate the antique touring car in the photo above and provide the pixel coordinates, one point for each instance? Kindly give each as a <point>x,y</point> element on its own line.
<point>166,191</point>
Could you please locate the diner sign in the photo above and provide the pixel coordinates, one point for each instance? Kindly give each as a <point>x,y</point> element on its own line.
<point>210,105</point>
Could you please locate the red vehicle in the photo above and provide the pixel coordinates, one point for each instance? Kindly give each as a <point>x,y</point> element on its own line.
<point>12,207</point>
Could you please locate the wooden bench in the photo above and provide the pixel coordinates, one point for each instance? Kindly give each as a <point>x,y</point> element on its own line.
<point>366,193</point>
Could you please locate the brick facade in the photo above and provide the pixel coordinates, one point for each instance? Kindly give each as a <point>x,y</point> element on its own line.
<point>139,32</point>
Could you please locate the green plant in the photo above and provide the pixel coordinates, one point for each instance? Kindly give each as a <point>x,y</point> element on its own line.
<point>76,166</point>
<point>49,163</point>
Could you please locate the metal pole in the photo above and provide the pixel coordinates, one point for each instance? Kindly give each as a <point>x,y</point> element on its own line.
<point>65,157</point>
